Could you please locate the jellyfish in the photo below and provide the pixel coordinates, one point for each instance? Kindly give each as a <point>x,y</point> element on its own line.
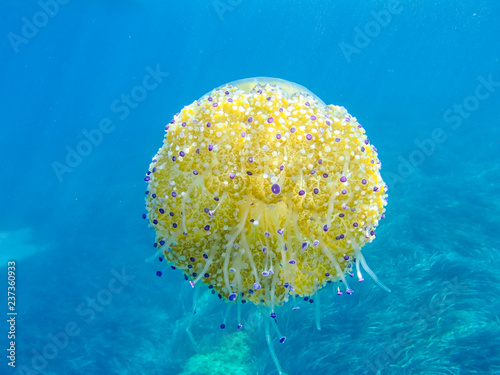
<point>265,194</point>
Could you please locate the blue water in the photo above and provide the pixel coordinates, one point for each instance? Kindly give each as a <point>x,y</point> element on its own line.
<point>422,77</point>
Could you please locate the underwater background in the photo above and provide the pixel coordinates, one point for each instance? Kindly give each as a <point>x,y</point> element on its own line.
<point>422,77</point>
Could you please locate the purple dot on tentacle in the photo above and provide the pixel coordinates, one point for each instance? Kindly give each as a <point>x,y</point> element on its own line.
<point>343,179</point>
<point>276,189</point>
<point>231,175</point>
<point>270,119</point>
<point>301,192</point>
<point>309,137</point>
<point>363,181</point>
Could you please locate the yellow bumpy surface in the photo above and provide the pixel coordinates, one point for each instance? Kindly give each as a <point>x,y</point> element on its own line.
<point>263,194</point>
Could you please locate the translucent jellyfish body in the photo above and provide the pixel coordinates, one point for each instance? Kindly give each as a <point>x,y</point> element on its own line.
<point>263,192</point>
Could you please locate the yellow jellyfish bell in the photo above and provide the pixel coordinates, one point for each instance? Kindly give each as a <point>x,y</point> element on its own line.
<point>264,193</point>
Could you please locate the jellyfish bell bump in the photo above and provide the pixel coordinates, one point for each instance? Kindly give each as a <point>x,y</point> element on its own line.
<point>263,193</point>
